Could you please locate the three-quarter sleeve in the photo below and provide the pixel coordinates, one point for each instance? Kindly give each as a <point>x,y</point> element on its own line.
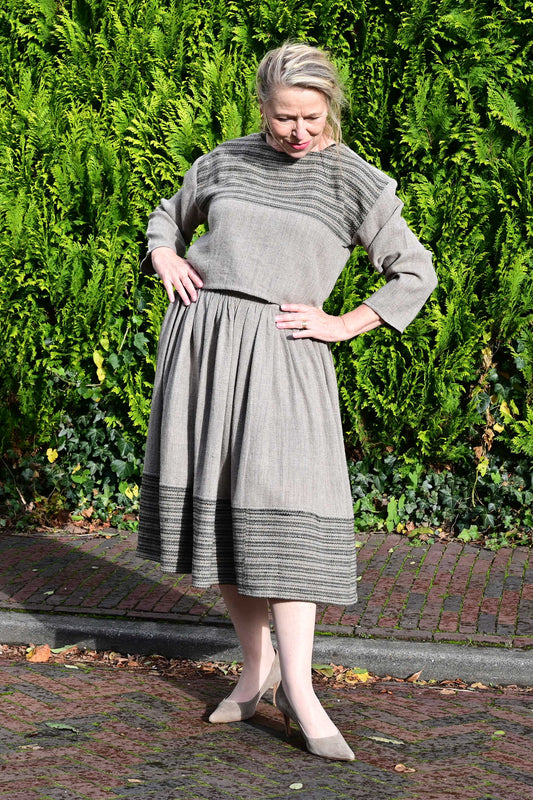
<point>174,221</point>
<point>395,252</point>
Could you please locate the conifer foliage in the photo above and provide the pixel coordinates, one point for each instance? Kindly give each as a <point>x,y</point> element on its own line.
<point>104,106</point>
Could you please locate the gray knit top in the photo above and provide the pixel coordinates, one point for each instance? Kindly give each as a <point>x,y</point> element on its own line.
<point>282,229</point>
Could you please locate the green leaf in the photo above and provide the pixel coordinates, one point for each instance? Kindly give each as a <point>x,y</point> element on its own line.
<point>324,669</point>
<point>61,726</point>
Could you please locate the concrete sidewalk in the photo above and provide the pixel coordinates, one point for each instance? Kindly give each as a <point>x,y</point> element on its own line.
<point>419,607</point>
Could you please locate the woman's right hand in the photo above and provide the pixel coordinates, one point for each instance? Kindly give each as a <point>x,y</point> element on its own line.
<point>176,273</point>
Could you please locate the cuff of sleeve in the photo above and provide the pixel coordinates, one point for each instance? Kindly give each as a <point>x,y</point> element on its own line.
<point>400,300</point>
<point>146,266</point>
<point>390,318</point>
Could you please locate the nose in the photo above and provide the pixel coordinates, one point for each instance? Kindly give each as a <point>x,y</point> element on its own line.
<point>299,128</point>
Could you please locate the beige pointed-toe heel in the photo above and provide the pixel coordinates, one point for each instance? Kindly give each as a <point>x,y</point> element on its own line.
<point>235,711</point>
<point>334,747</point>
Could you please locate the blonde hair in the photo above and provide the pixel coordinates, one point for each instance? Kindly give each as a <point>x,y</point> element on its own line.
<point>298,64</point>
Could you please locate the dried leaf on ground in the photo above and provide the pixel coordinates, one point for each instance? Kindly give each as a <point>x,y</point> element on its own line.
<point>75,657</point>
<point>356,676</point>
<point>384,740</point>
<point>403,768</point>
<point>39,654</point>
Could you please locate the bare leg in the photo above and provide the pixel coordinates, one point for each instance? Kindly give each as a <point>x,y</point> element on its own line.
<point>295,624</point>
<point>250,619</point>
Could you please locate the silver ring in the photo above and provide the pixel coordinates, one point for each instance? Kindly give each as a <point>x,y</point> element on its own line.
<point>304,324</point>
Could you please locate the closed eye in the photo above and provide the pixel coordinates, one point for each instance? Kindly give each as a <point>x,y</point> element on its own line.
<point>313,118</point>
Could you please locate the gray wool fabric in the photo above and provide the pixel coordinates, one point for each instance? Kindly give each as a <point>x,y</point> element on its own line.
<point>245,477</point>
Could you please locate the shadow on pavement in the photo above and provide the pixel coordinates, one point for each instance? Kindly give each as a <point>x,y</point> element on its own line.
<point>98,733</point>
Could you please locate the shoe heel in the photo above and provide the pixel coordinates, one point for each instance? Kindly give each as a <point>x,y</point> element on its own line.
<point>282,704</point>
<point>334,747</point>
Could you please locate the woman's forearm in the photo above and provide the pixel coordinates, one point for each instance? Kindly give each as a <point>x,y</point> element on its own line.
<point>360,320</point>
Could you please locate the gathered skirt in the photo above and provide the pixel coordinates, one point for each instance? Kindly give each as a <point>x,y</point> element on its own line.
<point>245,479</point>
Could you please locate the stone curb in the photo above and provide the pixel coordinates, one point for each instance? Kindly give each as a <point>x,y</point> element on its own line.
<point>488,665</point>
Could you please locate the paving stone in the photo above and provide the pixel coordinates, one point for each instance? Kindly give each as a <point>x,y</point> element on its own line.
<point>520,777</point>
<point>140,735</point>
<point>38,693</point>
<point>401,587</point>
<point>131,727</point>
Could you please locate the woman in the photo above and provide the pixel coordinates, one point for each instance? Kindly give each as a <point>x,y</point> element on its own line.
<point>245,482</point>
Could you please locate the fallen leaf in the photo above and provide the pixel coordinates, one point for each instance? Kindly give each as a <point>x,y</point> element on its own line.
<point>499,733</point>
<point>39,654</point>
<point>384,740</point>
<point>403,768</point>
<point>414,677</point>
<point>356,676</point>
<point>65,649</point>
<point>61,726</point>
<point>324,669</point>
<point>421,531</point>
<point>447,691</point>
<point>478,686</point>
<point>296,786</point>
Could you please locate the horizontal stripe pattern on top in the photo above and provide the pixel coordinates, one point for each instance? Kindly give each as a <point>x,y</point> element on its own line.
<point>335,185</point>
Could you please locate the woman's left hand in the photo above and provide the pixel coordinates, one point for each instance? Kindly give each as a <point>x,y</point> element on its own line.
<point>310,322</point>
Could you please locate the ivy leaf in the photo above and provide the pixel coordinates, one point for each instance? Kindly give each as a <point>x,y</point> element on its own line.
<point>140,341</point>
<point>122,468</point>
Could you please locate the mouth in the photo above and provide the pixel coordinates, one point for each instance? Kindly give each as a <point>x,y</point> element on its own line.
<point>298,145</point>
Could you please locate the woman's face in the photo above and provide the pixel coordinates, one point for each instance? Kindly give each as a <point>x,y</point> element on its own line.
<point>296,119</point>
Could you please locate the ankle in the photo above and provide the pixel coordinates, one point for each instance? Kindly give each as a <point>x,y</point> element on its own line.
<point>252,678</point>
<point>310,714</point>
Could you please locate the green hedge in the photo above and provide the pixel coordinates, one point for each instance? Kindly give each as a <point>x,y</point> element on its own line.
<point>103,107</point>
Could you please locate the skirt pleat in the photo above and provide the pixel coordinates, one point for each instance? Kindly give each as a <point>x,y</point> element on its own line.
<point>245,478</point>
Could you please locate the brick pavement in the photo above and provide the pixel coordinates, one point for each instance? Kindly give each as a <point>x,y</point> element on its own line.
<point>442,592</point>
<point>92,732</point>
